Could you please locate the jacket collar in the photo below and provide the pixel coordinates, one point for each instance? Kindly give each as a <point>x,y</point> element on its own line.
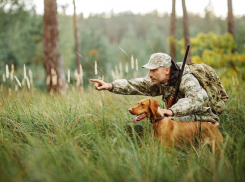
<point>174,73</point>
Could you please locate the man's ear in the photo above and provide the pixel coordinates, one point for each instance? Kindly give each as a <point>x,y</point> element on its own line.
<point>167,71</point>
<point>153,106</point>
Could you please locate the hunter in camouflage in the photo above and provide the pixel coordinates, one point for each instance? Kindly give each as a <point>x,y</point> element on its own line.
<point>192,102</point>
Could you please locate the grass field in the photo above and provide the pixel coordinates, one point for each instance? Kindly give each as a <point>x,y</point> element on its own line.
<point>81,137</point>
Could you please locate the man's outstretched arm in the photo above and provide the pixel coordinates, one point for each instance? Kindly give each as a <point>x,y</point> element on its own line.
<point>137,86</point>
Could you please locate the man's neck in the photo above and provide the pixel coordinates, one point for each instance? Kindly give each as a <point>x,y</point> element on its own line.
<point>166,80</point>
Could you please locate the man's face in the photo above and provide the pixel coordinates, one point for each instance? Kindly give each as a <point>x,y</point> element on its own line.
<point>159,75</point>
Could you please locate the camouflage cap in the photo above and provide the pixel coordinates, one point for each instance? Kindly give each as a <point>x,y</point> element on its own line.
<point>157,60</point>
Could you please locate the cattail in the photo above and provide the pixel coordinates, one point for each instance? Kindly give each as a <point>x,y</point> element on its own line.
<point>132,62</point>
<point>28,83</point>
<point>16,88</point>
<point>30,75</point>
<point>126,68</point>
<point>95,68</point>
<point>76,74</point>
<point>12,72</point>
<point>7,71</point>
<point>81,74</point>
<point>23,82</point>
<point>54,77</point>
<point>136,64</point>
<point>18,82</point>
<point>48,79</point>
<point>77,78</point>
<point>78,82</point>
<point>53,72</point>
<point>81,70</point>
<point>4,78</point>
<point>24,71</point>
<point>69,76</point>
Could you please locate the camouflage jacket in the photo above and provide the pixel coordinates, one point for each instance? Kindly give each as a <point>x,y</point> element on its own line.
<point>192,98</point>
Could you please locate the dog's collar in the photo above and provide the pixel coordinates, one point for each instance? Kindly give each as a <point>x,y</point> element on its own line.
<point>158,119</point>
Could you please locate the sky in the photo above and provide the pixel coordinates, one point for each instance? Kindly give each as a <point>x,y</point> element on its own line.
<point>144,6</point>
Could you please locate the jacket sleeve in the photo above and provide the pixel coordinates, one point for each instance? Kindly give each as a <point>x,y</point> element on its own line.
<point>194,97</point>
<point>137,86</point>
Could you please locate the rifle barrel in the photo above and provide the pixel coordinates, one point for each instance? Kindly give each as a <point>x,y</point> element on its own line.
<point>182,70</point>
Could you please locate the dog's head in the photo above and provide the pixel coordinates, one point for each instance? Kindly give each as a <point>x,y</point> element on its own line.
<point>145,108</point>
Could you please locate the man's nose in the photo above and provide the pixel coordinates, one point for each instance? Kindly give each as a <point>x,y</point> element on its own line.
<point>150,74</point>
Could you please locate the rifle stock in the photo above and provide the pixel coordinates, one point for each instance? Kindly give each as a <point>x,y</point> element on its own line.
<point>171,101</point>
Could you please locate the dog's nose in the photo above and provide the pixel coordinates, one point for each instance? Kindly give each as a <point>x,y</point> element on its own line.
<point>130,110</point>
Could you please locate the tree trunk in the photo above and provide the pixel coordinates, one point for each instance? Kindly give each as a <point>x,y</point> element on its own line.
<point>231,21</point>
<point>172,32</point>
<point>76,38</point>
<point>186,31</point>
<point>55,77</point>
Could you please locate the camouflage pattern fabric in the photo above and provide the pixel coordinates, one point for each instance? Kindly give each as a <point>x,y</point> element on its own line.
<point>209,80</point>
<point>191,102</point>
<point>208,114</point>
<point>158,59</point>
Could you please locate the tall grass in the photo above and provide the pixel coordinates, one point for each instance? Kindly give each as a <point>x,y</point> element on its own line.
<point>81,137</point>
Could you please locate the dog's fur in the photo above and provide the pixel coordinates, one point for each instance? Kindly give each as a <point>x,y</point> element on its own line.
<point>175,133</point>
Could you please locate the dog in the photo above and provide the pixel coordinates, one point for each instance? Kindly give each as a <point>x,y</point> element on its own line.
<point>174,133</point>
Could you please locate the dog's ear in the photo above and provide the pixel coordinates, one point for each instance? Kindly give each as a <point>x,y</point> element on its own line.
<point>153,106</point>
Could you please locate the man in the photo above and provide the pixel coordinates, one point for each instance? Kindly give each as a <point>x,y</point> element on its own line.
<point>191,102</point>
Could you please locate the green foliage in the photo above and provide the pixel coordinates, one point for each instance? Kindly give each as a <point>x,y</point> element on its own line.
<point>240,39</point>
<point>126,34</point>
<point>112,40</point>
<point>216,51</point>
<point>95,50</point>
<point>78,137</point>
<point>21,39</point>
<point>20,35</point>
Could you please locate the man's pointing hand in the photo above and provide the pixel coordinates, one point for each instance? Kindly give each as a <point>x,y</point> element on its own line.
<point>101,85</point>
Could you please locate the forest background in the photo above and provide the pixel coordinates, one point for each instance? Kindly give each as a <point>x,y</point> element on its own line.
<point>112,40</point>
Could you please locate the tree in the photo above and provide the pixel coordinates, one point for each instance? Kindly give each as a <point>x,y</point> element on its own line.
<point>172,32</point>
<point>76,37</point>
<point>186,30</point>
<point>55,77</point>
<point>230,21</point>
<point>209,19</point>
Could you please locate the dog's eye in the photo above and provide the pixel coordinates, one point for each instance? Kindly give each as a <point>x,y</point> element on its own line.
<point>142,104</point>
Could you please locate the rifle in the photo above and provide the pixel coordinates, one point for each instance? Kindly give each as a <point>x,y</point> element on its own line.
<point>172,98</point>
